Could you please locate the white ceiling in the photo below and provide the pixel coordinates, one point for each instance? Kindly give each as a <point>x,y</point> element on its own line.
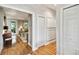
<point>10,13</point>
<point>14,14</point>
<point>51,6</point>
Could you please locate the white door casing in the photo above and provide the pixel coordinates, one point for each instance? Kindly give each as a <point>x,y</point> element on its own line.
<point>1,28</point>
<point>70,30</point>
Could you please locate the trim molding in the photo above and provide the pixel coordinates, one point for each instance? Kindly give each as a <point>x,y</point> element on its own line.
<point>43,44</point>
<point>50,42</point>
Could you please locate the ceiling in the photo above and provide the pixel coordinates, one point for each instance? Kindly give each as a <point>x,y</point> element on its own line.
<point>14,14</point>
<point>51,6</point>
<point>11,13</point>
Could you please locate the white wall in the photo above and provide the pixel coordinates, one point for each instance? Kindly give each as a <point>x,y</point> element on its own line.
<point>36,10</point>
<point>30,30</point>
<point>51,26</point>
<point>59,35</point>
<point>1,28</point>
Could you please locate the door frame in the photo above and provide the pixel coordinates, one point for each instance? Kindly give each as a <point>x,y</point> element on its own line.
<point>59,31</point>
<point>25,11</point>
<point>36,46</point>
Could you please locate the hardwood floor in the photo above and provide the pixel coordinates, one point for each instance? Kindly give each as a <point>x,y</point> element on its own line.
<point>49,49</point>
<point>20,48</point>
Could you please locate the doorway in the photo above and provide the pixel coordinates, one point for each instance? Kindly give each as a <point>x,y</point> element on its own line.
<point>20,26</point>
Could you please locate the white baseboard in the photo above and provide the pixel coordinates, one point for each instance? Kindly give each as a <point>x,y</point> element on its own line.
<point>29,44</point>
<point>37,47</point>
<point>43,44</point>
<point>50,42</point>
<point>34,49</point>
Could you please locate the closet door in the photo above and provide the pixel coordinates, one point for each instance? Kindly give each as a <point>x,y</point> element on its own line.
<point>41,30</point>
<point>71,30</point>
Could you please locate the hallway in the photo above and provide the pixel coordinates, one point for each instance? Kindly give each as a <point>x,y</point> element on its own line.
<point>20,48</point>
<point>36,30</point>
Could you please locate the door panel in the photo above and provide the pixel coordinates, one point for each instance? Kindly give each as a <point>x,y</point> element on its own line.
<point>41,30</point>
<point>71,30</point>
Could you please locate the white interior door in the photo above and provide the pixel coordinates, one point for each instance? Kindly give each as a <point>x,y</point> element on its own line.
<point>41,30</point>
<point>71,30</point>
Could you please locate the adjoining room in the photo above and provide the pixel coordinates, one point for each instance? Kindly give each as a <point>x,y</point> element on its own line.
<point>16,32</point>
